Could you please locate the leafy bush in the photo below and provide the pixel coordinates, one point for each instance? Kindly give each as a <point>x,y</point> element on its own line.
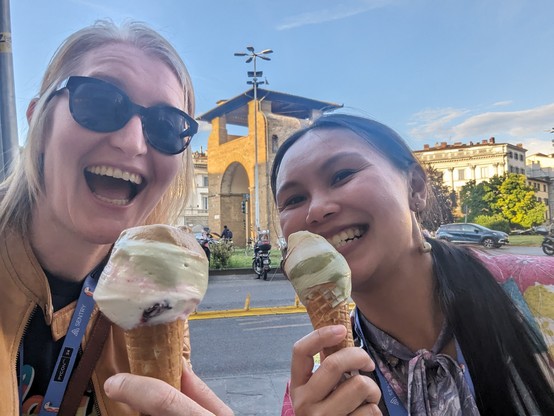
<point>494,222</point>
<point>241,259</point>
<point>221,254</point>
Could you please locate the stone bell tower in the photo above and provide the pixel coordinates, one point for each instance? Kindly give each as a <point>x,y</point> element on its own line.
<point>241,146</point>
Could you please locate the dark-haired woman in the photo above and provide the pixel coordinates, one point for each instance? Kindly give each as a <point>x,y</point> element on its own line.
<point>451,331</point>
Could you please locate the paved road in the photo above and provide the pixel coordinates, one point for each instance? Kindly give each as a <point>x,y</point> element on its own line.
<point>246,361</point>
<point>533,251</point>
<point>252,344</point>
<point>229,292</point>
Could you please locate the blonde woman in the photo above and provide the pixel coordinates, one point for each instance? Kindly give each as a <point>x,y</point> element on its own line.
<point>107,149</point>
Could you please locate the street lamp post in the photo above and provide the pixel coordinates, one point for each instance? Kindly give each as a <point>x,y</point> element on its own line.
<point>8,119</point>
<point>252,56</point>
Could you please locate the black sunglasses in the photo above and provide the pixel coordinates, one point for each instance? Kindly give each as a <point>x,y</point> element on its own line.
<point>100,106</point>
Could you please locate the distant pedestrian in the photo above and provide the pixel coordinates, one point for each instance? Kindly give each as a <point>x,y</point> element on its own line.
<point>226,234</point>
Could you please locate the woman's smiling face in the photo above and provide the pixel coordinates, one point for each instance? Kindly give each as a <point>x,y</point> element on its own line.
<point>332,183</point>
<point>97,184</point>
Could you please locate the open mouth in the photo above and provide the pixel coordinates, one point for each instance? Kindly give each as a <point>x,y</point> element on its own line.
<point>113,185</point>
<point>348,235</point>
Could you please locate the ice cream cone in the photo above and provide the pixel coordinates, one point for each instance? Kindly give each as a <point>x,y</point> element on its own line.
<point>320,276</point>
<point>324,309</point>
<point>157,351</point>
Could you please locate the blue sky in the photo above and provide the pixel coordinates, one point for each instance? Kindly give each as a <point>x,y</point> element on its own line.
<point>434,70</point>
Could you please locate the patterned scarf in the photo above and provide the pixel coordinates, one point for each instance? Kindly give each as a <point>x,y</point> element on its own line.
<point>426,382</point>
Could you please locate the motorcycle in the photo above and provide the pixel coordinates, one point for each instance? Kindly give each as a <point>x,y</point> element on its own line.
<point>261,263</point>
<point>548,246</point>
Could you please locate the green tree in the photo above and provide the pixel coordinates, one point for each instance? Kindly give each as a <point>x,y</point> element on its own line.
<point>518,204</point>
<point>440,201</point>
<point>471,200</point>
<point>492,193</point>
<point>481,199</point>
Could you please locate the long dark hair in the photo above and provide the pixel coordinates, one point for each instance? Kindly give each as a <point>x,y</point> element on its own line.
<point>498,343</point>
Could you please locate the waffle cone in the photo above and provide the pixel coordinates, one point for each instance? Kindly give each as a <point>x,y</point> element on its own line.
<point>325,309</point>
<point>157,351</point>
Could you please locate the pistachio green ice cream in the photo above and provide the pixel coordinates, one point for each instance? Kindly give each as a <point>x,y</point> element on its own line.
<point>311,261</point>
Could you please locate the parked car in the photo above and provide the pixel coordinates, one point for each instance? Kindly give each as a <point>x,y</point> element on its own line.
<point>472,233</point>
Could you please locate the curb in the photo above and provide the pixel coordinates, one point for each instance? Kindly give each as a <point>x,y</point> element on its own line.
<point>246,311</point>
<point>237,313</point>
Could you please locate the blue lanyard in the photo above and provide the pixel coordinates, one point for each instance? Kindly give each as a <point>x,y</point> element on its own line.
<point>393,403</point>
<point>68,354</point>
<point>462,363</point>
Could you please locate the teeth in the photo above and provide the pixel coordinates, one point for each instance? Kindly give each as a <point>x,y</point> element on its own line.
<point>345,236</point>
<point>115,173</point>
<point>113,201</point>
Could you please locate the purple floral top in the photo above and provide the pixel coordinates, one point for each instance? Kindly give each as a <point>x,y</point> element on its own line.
<point>426,382</point>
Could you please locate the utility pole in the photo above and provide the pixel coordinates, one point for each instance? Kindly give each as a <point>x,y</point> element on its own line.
<point>8,118</point>
<point>255,75</point>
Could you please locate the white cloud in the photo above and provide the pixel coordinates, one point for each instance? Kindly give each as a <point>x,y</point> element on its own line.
<point>535,145</point>
<point>530,127</point>
<point>502,103</point>
<point>340,11</point>
<point>434,123</point>
<point>513,123</point>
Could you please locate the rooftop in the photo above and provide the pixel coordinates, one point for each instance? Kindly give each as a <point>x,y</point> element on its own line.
<point>236,109</point>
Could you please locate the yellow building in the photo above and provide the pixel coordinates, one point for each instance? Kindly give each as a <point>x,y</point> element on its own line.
<point>243,142</point>
<point>541,187</point>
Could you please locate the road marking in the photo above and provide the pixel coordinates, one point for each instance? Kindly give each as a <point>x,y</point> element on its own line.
<point>255,320</point>
<point>237,313</point>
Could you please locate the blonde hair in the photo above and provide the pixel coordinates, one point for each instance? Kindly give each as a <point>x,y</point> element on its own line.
<point>19,192</point>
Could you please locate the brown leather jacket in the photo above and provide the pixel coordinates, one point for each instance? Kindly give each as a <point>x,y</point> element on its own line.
<point>23,286</point>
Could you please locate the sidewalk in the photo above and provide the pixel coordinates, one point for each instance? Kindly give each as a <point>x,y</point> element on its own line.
<point>254,395</point>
